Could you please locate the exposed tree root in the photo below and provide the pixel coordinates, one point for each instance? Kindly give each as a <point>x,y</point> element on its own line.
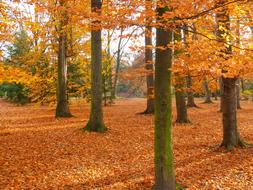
<point>98,127</point>
<point>240,144</point>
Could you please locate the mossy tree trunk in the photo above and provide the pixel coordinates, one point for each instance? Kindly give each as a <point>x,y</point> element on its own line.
<point>231,136</point>
<point>149,66</point>
<point>96,122</point>
<point>164,170</point>
<point>62,108</point>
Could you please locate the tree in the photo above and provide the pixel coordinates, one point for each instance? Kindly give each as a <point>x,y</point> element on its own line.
<point>96,122</point>
<point>62,108</point>
<point>107,72</point>
<point>118,60</point>
<point>149,66</point>
<point>238,88</point>
<point>207,92</point>
<point>190,95</point>
<point>164,170</point>
<point>16,91</point>
<point>119,54</point>
<point>182,116</point>
<point>231,136</point>
<point>238,91</point>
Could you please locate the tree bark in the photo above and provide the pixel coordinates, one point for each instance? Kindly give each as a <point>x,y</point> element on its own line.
<point>164,170</point>
<point>62,108</point>
<point>231,136</point>
<point>242,85</point>
<point>207,93</point>
<point>118,60</point>
<point>150,75</point>
<point>110,67</point>
<point>182,116</point>
<point>238,43</point>
<point>238,92</point>
<point>190,95</point>
<point>221,92</point>
<point>179,86</point>
<point>96,122</point>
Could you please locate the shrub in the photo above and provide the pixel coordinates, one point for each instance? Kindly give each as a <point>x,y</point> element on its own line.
<point>14,92</point>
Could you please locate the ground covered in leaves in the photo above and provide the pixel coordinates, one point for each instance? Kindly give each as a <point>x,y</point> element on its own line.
<point>38,151</point>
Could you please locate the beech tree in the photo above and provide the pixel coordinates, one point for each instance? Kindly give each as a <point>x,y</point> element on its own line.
<point>190,94</point>
<point>164,170</point>
<point>231,136</point>
<point>182,116</point>
<point>188,78</point>
<point>207,92</point>
<point>62,108</point>
<point>96,122</point>
<point>238,82</point>
<point>149,65</point>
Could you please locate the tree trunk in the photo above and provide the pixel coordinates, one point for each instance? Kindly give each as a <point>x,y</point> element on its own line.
<point>164,170</point>
<point>190,95</point>
<point>242,85</point>
<point>150,75</point>
<point>215,95</point>
<point>207,93</point>
<point>110,68</point>
<point>104,78</point>
<point>182,116</point>
<point>179,86</point>
<point>238,43</point>
<point>149,66</point>
<point>118,60</point>
<point>231,137</point>
<point>62,108</point>
<point>96,122</point>
<point>221,92</point>
<point>238,92</point>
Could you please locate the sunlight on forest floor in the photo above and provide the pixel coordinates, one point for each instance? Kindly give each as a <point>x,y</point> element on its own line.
<point>38,151</point>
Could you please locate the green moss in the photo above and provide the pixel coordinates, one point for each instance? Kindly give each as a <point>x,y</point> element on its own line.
<point>180,187</point>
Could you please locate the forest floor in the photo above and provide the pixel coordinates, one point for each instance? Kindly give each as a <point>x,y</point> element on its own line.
<point>38,151</point>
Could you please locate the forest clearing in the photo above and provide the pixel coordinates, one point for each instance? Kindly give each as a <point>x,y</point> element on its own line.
<point>126,94</point>
<point>39,151</point>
